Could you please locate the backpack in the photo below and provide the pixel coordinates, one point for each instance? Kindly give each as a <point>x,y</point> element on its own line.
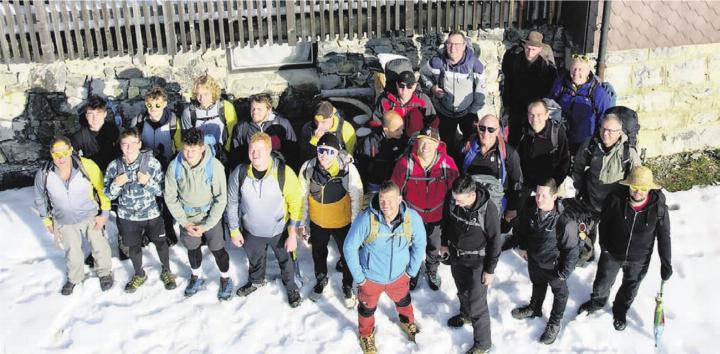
<point>375,228</point>
<point>140,123</point>
<point>76,161</point>
<point>479,216</point>
<point>573,209</point>
<point>209,171</point>
<point>494,185</point>
<point>408,176</point>
<point>144,157</point>
<point>242,172</point>
<point>630,122</point>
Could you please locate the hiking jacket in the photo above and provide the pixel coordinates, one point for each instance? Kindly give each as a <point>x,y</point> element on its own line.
<point>463,83</point>
<point>425,189</point>
<point>540,160</point>
<point>473,229</point>
<point>308,140</point>
<point>136,202</point>
<point>72,202</point>
<point>208,120</point>
<point>475,163</point>
<point>101,147</point>
<point>281,133</point>
<point>260,205</point>
<point>630,235</point>
<point>390,255</point>
<point>582,112</point>
<point>158,137</point>
<point>193,198</point>
<point>376,156</point>
<point>331,201</point>
<point>551,242</point>
<point>417,113</point>
<point>524,81</point>
<point>596,172</point>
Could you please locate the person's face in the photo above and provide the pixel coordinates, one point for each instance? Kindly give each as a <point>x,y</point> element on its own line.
<point>204,96</point>
<point>579,72</point>
<point>193,154</point>
<point>610,132</point>
<point>325,123</point>
<point>545,198</point>
<point>326,155</point>
<point>455,47</point>
<point>464,200</point>
<point>130,147</point>
<point>95,118</point>
<point>259,153</point>
<point>537,117</point>
<point>638,194</point>
<point>395,128</point>
<point>531,52</point>
<point>405,91</point>
<point>259,111</point>
<point>427,148</point>
<point>155,108</point>
<point>60,153</point>
<point>390,203</point>
<point>488,130</point>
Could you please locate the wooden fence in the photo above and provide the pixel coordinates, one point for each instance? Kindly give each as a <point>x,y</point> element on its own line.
<point>46,31</point>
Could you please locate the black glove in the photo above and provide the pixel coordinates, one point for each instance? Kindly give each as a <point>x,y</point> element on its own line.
<point>666,272</point>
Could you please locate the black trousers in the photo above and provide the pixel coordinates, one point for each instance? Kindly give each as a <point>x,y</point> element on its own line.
<point>448,133</point>
<point>517,122</point>
<point>319,239</point>
<point>134,233</point>
<point>256,250</point>
<point>432,258</point>
<point>472,294</point>
<point>608,268</point>
<point>540,279</point>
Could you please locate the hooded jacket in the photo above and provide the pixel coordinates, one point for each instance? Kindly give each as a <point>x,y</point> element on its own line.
<point>348,139</point>
<point>208,120</point>
<point>540,159</point>
<point>525,81</point>
<point>425,189</point>
<point>376,156</point>
<point>418,113</point>
<point>101,146</point>
<point>158,137</point>
<point>581,109</point>
<point>135,201</point>
<point>278,127</point>
<point>386,259</point>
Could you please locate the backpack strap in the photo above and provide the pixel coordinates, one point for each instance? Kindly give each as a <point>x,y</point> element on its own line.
<point>339,129</point>
<point>79,161</point>
<point>193,116</point>
<point>281,174</point>
<point>554,129</point>
<point>407,227</point>
<point>119,166</point>
<point>374,229</point>
<point>627,163</point>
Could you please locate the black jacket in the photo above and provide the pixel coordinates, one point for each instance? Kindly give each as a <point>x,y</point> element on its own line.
<point>101,147</point>
<point>489,165</point>
<point>525,82</point>
<point>376,155</point>
<point>461,229</point>
<point>540,159</point>
<point>551,243</point>
<point>630,236</point>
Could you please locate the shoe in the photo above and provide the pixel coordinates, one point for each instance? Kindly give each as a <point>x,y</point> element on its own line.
<point>135,283</point>
<point>106,282</point>
<point>525,312</point>
<point>319,287</point>
<point>434,280</point>
<point>168,280</point>
<point>589,307</point>
<point>458,321</point>
<point>551,332</point>
<point>68,288</point>
<point>475,349</point>
<point>619,323</point>
<point>248,288</point>
<point>349,298</point>
<point>225,290</point>
<point>410,329</point>
<point>367,344</point>
<point>294,298</point>
<point>413,283</point>
<point>194,285</point>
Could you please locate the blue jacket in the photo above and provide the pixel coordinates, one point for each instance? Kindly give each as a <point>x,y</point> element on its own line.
<point>582,112</point>
<point>390,255</point>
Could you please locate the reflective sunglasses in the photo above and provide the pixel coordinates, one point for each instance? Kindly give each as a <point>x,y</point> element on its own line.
<point>635,189</point>
<point>61,154</point>
<point>484,128</point>
<point>582,57</point>
<point>404,86</point>
<point>324,150</point>
<point>156,105</point>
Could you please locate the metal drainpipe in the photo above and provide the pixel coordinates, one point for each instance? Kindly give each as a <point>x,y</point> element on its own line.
<point>602,50</point>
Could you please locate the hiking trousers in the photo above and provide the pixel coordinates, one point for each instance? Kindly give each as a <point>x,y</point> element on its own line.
<point>541,279</point>
<point>256,250</point>
<point>319,240</point>
<point>369,295</point>
<point>215,242</point>
<point>608,268</point>
<point>72,236</point>
<point>432,258</point>
<point>472,294</point>
<point>135,231</point>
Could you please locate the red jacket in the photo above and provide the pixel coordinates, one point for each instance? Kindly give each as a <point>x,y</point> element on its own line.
<point>418,112</point>
<point>425,192</point>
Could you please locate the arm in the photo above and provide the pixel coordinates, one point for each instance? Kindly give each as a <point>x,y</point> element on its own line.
<point>356,191</point>
<point>578,169</point>
<point>304,192</point>
<point>479,88</point>
<point>568,246</point>
<point>419,242</point>
<point>172,197</point>
<point>96,179</point>
<point>232,212</point>
<point>662,233</point>
<point>563,157</point>
<point>398,174</point>
<point>494,240</point>
<point>177,138</point>
<point>230,121</point>
<point>293,202</point>
<point>41,202</point>
<point>185,120</point>
<point>515,179</point>
<point>429,73</point>
<point>219,192</point>
<point>349,137</point>
<point>112,191</point>
<point>359,230</point>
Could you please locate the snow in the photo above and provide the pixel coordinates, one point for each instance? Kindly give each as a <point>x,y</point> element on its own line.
<point>37,319</point>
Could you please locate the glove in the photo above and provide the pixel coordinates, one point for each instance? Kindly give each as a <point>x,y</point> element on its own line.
<point>666,273</point>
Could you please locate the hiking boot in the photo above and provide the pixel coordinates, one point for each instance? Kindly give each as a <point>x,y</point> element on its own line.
<point>248,288</point>
<point>620,323</point>
<point>135,283</point>
<point>475,349</point>
<point>319,287</point>
<point>367,344</point>
<point>106,282</point>
<point>525,312</point>
<point>168,280</point>
<point>349,298</point>
<point>225,290</point>
<point>294,298</point>
<point>413,283</point>
<point>551,332</point>
<point>434,280</point>
<point>589,306</point>
<point>410,329</point>
<point>458,321</point>
<point>67,288</point>
<point>194,285</point>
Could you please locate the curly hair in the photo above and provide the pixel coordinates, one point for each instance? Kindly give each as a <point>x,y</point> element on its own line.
<point>156,93</point>
<point>193,137</point>
<point>209,83</point>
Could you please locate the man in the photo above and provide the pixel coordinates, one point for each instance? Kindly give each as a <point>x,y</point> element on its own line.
<point>136,180</point>
<point>583,100</point>
<point>264,209</point>
<point>96,140</point>
<point>632,220</point>
<point>454,78</point>
<point>471,239</point>
<point>549,243</point>
<point>425,176</point>
<point>384,249</point>
<point>327,120</point>
<point>529,75</point>
<point>196,195</point>
<point>413,106</point>
<point>378,152</point>
<point>332,195</point>
<point>69,197</point>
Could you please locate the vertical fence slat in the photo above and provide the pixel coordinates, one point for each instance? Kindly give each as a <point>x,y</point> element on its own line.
<point>4,45</point>
<point>378,18</point>
<point>511,13</point>
<point>388,24</point>
<point>341,20</point>
<point>409,18</point>
<point>138,32</point>
<point>64,26</point>
<point>313,26</point>
<point>95,13</point>
<point>127,23</point>
<point>31,30</point>
<point>475,15</point>
<point>447,25</point>
<point>360,6</point>
<point>291,30</point>
<point>182,16</point>
<point>268,5</point>
<point>119,39</point>
<point>192,16</point>
<point>278,20</point>
<point>258,11</point>
<point>501,17</point>
<point>438,12</point>
<point>211,23</point>
<point>90,33</point>
<point>221,22</point>
<point>241,24</point>
<point>323,26</point>
<point>231,20</point>
<point>169,20</point>
<point>420,18</point>
<point>146,23</point>
<point>251,17</point>
<point>106,28</point>
<point>20,24</point>
<point>456,16</point>
<point>397,16</point>
<point>76,28</point>
<point>331,19</point>
<point>428,23</point>
<point>46,42</point>
<point>350,19</point>
<point>159,38</point>
<point>201,25</point>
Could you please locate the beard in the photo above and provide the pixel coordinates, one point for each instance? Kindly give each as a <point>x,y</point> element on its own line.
<point>638,200</point>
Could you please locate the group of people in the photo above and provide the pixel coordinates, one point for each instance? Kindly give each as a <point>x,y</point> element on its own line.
<point>432,183</point>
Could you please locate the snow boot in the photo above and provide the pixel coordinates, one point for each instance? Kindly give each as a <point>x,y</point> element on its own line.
<point>106,282</point>
<point>294,298</point>
<point>349,298</point>
<point>367,344</point>
<point>550,334</point>
<point>589,306</point>
<point>67,289</point>
<point>524,312</point>
<point>410,329</point>
<point>434,280</point>
<point>619,322</point>
<point>319,287</point>
<point>168,280</point>
<point>249,288</point>
<point>458,321</point>
<point>194,285</point>
<point>225,290</point>
<point>475,349</point>
<point>135,283</point>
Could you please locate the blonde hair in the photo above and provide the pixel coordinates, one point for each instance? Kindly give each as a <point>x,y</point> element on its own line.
<point>209,83</point>
<point>261,136</point>
<point>263,98</point>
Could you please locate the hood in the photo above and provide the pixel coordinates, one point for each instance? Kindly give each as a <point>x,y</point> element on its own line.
<point>466,62</point>
<point>482,196</point>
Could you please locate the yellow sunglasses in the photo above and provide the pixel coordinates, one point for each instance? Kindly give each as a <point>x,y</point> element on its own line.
<point>635,189</point>
<point>156,105</point>
<point>582,57</point>
<point>61,154</point>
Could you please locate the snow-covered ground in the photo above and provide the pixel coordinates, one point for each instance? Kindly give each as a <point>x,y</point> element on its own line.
<point>35,318</point>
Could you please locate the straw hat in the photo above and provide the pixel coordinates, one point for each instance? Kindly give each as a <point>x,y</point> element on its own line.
<point>641,176</point>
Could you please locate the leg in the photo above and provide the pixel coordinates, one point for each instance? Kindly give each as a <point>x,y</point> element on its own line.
<point>399,292</point>
<point>157,234</point>
<point>216,243</point>
<point>100,248</point>
<point>539,288</point>
<point>74,255</point>
<point>168,222</point>
<point>192,244</point>
<point>319,238</point>
<point>256,250</point>
<point>633,274</point>
<point>448,132</point>
<point>560,297</point>
<point>479,314</point>
<point>287,267</point>
<point>368,296</point>
<point>432,259</point>
<point>607,270</point>
<point>133,231</point>
<point>462,276</point>
<point>340,235</point>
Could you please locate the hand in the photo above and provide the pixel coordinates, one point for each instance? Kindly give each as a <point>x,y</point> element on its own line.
<point>237,238</point>
<point>291,242</point>
<point>437,91</point>
<point>304,233</point>
<point>665,274</point>
<point>320,131</point>
<point>487,278</point>
<point>120,180</point>
<point>192,230</point>
<point>523,254</point>
<point>100,222</point>
<point>143,178</point>
<point>444,252</point>
<point>510,215</point>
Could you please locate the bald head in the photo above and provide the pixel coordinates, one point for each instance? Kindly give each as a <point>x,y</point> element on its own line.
<point>488,128</point>
<point>489,120</point>
<point>393,124</point>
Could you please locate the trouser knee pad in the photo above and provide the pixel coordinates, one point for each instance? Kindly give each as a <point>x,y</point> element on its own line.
<point>365,311</point>
<point>405,301</point>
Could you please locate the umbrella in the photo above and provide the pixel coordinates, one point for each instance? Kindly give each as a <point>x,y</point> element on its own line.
<point>659,315</point>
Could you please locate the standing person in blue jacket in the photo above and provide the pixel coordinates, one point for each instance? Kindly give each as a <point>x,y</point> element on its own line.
<point>384,248</point>
<point>583,100</point>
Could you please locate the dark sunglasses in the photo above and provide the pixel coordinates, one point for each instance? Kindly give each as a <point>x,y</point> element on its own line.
<point>404,86</point>
<point>326,151</point>
<point>483,128</point>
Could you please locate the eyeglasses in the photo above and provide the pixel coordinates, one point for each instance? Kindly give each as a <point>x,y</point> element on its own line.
<point>484,128</point>
<point>635,189</point>
<point>156,105</point>
<point>323,150</point>
<point>450,44</point>
<point>405,86</point>
<point>614,131</point>
<point>61,154</point>
<point>582,57</point>
<point>129,143</point>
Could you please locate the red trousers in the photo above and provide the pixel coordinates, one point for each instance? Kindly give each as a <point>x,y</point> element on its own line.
<point>369,294</point>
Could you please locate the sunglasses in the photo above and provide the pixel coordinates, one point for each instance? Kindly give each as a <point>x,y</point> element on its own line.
<point>635,189</point>
<point>326,151</point>
<point>484,128</point>
<point>156,105</point>
<point>61,154</point>
<point>582,57</point>
<point>404,86</point>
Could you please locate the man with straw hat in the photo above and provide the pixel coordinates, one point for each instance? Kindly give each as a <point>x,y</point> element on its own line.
<point>631,221</point>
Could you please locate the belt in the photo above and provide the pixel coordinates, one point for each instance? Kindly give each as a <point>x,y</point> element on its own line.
<point>461,252</point>
<point>196,210</point>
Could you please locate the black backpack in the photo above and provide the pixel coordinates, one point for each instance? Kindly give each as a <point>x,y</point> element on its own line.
<point>630,122</point>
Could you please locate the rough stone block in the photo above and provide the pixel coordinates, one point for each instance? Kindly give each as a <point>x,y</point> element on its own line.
<point>330,82</point>
<point>656,101</point>
<point>157,60</point>
<point>51,77</point>
<point>8,78</point>
<point>647,76</point>
<point>18,152</point>
<point>707,117</point>
<point>140,82</point>
<point>12,104</point>
<point>693,98</point>
<point>128,72</point>
<point>109,88</point>
<point>7,130</point>
<point>626,57</point>
<point>619,77</point>
<point>133,92</point>
<point>689,72</point>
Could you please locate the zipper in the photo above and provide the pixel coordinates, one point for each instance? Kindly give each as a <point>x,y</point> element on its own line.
<point>632,228</point>
<point>392,252</point>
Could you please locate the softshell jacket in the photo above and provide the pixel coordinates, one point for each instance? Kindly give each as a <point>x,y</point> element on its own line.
<point>376,156</point>
<point>384,260</point>
<point>135,201</point>
<point>418,113</point>
<point>101,147</point>
<point>582,112</point>
<point>463,83</point>
<point>308,140</point>
<point>278,127</point>
<point>158,137</point>
<point>525,81</point>
<point>208,120</point>
<point>425,190</point>
<point>540,159</point>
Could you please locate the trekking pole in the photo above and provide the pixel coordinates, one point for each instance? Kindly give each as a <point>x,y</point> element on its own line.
<point>659,326</point>
<point>296,265</point>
